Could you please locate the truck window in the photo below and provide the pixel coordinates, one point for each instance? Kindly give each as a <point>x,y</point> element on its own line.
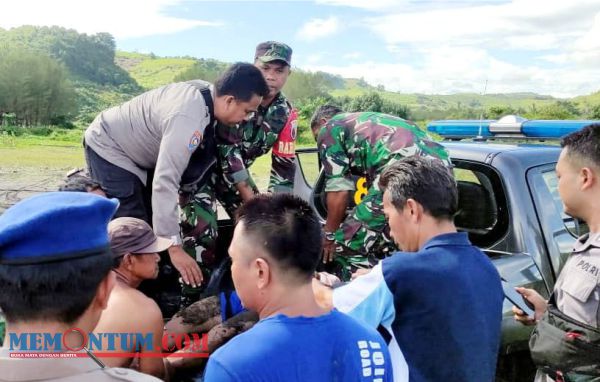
<point>575,226</point>
<point>464,175</point>
<point>309,164</point>
<point>482,211</point>
<point>559,229</point>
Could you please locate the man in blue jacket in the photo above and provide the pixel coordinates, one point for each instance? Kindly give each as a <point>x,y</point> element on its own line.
<point>438,300</point>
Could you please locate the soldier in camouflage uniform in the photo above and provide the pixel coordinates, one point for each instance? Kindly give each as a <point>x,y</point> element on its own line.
<point>273,127</point>
<point>361,145</point>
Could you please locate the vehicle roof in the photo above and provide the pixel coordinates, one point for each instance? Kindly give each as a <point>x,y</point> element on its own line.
<point>528,154</point>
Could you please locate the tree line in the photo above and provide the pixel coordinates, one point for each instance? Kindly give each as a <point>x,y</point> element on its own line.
<point>40,67</point>
<point>89,57</point>
<point>53,75</point>
<point>34,89</point>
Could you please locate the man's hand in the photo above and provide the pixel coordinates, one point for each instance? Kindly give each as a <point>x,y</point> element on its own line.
<point>337,201</point>
<point>327,279</point>
<point>360,272</point>
<point>328,250</point>
<point>186,265</point>
<point>246,192</point>
<point>538,302</point>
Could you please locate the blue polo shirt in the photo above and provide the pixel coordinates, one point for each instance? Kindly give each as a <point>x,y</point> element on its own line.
<point>441,308</point>
<point>331,347</point>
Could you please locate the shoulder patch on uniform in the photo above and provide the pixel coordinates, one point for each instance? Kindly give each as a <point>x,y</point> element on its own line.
<point>285,146</point>
<point>294,129</point>
<point>195,140</point>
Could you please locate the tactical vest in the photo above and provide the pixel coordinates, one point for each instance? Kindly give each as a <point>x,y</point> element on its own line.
<point>204,158</point>
<point>561,346</point>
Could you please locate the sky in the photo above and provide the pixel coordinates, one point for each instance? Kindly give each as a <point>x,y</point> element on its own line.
<point>549,47</point>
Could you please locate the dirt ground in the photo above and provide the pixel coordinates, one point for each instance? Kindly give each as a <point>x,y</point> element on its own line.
<point>30,165</point>
<point>17,183</point>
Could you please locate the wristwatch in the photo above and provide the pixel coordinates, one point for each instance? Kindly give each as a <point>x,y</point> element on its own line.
<point>329,236</point>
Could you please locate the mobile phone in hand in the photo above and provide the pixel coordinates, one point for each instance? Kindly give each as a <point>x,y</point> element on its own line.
<point>517,299</point>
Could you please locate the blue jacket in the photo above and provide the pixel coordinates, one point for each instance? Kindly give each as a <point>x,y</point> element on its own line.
<point>440,307</point>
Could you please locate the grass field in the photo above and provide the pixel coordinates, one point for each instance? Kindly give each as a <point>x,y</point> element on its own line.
<point>42,152</point>
<point>30,164</point>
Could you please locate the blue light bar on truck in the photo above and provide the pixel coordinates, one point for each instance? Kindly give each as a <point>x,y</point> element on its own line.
<point>510,126</point>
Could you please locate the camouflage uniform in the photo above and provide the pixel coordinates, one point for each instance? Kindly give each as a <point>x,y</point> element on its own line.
<point>238,147</point>
<point>363,144</point>
<point>272,127</point>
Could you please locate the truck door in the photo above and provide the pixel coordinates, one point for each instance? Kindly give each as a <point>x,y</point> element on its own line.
<point>560,230</point>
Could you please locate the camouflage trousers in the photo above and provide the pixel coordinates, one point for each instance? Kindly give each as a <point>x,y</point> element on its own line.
<point>199,225</point>
<point>363,237</point>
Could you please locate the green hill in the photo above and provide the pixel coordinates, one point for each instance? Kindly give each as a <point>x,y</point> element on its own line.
<point>150,71</point>
<point>588,100</point>
<point>417,101</point>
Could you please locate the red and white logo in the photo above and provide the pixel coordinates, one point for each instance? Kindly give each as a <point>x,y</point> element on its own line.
<point>285,146</point>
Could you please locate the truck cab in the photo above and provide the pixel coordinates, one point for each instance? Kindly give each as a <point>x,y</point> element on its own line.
<point>508,204</point>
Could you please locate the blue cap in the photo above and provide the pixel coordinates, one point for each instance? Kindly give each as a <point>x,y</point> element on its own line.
<point>55,226</point>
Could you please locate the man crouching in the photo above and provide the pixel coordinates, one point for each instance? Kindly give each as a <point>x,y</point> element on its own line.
<point>275,250</point>
<point>135,250</point>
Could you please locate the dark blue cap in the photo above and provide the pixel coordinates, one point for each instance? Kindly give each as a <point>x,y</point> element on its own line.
<point>55,226</point>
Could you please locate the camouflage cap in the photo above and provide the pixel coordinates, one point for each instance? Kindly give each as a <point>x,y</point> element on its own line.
<point>272,50</point>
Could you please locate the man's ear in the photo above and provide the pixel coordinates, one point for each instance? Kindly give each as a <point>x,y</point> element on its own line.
<point>228,100</point>
<point>263,273</point>
<point>222,103</point>
<point>127,261</point>
<point>413,209</point>
<point>104,289</point>
<point>587,177</point>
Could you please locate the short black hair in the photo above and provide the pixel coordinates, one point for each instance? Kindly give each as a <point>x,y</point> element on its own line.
<point>324,111</point>
<point>60,291</point>
<point>242,81</point>
<point>584,144</point>
<point>425,180</point>
<point>287,228</point>
<point>79,183</point>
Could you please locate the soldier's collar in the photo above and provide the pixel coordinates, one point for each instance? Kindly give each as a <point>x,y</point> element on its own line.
<point>274,100</point>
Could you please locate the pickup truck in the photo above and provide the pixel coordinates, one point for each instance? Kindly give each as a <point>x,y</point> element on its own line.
<point>509,206</point>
